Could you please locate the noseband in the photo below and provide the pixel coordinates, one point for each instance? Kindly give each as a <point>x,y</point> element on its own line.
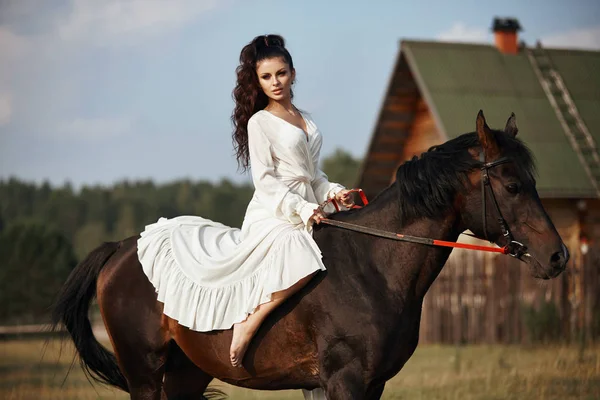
<point>515,248</point>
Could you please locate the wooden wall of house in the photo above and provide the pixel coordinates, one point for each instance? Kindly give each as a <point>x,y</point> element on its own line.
<point>392,129</point>
<point>481,297</point>
<point>423,132</point>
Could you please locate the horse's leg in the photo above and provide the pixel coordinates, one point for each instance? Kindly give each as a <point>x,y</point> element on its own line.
<point>133,319</point>
<point>315,394</point>
<point>183,379</point>
<point>375,393</point>
<point>346,383</point>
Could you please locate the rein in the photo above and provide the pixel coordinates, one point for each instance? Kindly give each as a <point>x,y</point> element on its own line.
<point>512,248</point>
<point>413,239</point>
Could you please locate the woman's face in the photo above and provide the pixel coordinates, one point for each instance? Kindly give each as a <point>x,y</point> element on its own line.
<point>275,78</point>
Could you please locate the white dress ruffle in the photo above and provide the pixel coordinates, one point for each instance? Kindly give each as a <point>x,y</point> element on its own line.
<point>209,275</point>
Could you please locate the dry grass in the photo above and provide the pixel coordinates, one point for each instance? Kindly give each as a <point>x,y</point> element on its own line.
<point>434,372</point>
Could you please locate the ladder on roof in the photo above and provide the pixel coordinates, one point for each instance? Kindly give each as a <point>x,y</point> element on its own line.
<point>577,132</point>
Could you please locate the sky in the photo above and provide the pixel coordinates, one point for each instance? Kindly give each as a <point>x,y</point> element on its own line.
<point>97,92</point>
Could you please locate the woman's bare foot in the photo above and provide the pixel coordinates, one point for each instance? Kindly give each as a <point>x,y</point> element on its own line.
<point>242,334</point>
<point>244,331</point>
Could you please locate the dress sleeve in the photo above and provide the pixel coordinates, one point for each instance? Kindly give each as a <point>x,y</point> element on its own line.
<point>322,188</point>
<point>275,195</point>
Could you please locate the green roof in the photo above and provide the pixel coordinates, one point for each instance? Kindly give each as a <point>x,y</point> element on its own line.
<point>458,79</point>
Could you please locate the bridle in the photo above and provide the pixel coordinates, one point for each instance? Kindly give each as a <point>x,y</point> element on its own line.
<point>512,247</point>
<point>516,249</point>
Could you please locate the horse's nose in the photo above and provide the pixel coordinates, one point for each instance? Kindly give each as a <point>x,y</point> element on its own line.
<point>558,260</point>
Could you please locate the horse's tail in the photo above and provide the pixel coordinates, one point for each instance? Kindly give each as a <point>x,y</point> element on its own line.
<point>71,309</point>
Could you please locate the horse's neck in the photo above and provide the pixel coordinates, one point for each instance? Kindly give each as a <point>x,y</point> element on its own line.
<point>411,272</point>
<point>428,267</point>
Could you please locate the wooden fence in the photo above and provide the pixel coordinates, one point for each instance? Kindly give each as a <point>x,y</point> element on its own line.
<point>490,298</point>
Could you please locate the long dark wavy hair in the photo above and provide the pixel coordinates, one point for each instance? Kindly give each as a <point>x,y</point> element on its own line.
<point>248,95</point>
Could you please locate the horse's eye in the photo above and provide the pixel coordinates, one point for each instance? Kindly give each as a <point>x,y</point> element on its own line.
<point>513,188</point>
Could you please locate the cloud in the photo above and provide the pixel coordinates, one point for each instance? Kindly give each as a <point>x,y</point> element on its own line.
<point>585,38</point>
<point>12,45</point>
<point>116,22</point>
<point>24,69</point>
<point>16,8</point>
<point>13,49</point>
<point>459,32</point>
<point>5,108</point>
<point>95,128</point>
<point>39,47</point>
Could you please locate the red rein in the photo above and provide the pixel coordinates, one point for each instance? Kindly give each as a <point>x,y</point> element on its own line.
<point>399,236</point>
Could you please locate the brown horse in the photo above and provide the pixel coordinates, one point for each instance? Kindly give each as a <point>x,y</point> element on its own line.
<point>354,326</point>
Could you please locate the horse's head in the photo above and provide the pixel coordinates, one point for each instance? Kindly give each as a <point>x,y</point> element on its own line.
<point>503,205</point>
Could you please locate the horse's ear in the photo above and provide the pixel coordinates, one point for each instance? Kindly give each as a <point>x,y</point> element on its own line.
<point>511,126</point>
<point>486,136</point>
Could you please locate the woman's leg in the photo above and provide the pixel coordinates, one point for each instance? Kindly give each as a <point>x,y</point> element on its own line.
<point>244,331</point>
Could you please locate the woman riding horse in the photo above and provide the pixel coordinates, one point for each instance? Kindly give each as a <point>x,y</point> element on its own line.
<point>354,324</point>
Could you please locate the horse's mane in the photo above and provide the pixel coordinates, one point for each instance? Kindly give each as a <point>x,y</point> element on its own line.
<point>427,185</point>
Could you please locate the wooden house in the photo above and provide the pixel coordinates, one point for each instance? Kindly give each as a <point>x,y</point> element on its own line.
<point>434,94</point>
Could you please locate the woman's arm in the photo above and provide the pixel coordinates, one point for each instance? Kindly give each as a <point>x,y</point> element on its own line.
<point>323,188</point>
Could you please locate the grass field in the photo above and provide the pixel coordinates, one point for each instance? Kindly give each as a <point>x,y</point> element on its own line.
<point>29,370</point>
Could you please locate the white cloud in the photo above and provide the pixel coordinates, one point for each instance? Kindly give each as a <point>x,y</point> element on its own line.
<point>585,38</point>
<point>33,64</point>
<point>459,32</point>
<point>94,128</point>
<point>11,44</point>
<point>5,108</point>
<point>13,48</point>
<point>114,22</point>
<point>16,8</point>
<point>23,60</point>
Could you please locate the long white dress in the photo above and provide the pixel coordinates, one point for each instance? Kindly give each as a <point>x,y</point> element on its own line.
<point>209,275</point>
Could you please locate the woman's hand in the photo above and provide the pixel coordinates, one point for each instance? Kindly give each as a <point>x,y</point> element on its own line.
<point>318,216</point>
<point>344,196</point>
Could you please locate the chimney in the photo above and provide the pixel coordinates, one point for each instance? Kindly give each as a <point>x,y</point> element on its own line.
<point>505,34</point>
